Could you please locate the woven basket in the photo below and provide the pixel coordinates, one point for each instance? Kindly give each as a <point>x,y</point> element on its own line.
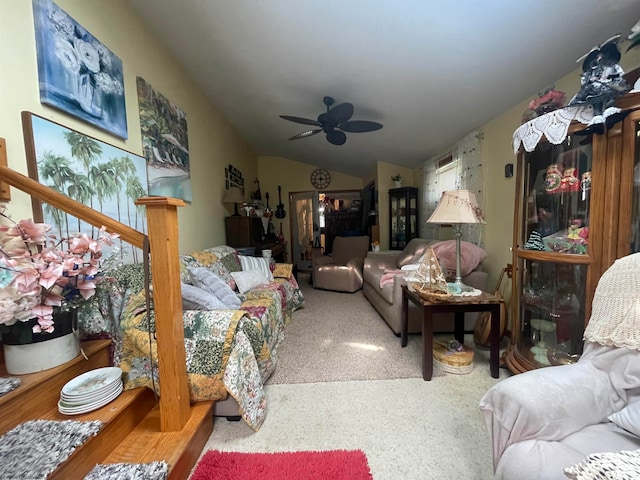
<point>430,294</point>
<point>453,362</point>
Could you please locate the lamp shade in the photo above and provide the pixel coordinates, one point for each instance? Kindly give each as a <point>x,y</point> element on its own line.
<point>233,195</point>
<point>457,206</point>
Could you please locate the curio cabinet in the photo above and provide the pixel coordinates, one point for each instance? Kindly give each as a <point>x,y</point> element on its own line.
<point>577,210</point>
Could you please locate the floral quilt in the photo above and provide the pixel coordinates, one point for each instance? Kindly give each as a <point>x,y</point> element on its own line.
<point>227,351</point>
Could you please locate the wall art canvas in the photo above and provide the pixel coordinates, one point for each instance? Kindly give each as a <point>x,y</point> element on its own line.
<point>91,172</point>
<point>78,74</point>
<point>164,143</point>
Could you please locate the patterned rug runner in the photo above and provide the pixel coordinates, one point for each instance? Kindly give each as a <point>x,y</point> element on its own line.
<point>331,464</point>
<point>35,448</point>
<point>8,384</point>
<point>129,471</point>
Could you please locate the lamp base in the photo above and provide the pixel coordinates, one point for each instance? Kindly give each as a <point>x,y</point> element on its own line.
<point>457,287</point>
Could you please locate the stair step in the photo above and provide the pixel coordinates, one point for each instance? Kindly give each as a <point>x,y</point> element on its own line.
<point>181,449</point>
<point>119,418</point>
<point>131,423</point>
<point>41,390</point>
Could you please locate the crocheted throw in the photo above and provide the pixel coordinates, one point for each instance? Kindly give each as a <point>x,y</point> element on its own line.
<point>606,465</point>
<point>614,316</point>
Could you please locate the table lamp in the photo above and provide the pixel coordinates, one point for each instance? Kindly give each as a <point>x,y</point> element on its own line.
<point>457,207</point>
<point>233,195</point>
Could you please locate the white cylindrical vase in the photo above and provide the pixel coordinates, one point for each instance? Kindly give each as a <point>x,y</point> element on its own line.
<point>39,356</point>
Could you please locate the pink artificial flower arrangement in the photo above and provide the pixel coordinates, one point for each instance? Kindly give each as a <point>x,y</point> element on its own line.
<point>39,273</point>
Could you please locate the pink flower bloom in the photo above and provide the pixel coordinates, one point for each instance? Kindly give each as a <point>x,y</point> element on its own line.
<point>35,232</point>
<point>41,273</point>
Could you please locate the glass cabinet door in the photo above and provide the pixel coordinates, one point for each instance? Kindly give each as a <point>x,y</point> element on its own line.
<point>557,182</point>
<point>635,198</point>
<point>403,216</point>
<point>552,311</point>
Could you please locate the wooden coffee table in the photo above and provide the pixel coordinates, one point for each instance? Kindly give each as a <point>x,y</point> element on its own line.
<point>458,305</point>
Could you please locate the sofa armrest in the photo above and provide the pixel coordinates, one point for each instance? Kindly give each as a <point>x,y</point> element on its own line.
<point>356,263</point>
<point>324,260</point>
<point>547,404</point>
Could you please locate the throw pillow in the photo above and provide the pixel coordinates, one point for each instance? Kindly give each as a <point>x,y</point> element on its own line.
<point>470,256</point>
<point>194,298</point>
<point>205,279</point>
<point>628,418</point>
<point>256,263</point>
<point>283,270</point>
<point>248,280</point>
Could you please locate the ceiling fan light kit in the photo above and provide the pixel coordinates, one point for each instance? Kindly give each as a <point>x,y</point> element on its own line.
<point>334,123</point>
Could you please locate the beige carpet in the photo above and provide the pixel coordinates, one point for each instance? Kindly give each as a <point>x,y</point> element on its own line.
<point>340,337</point>
<point>409,429</point>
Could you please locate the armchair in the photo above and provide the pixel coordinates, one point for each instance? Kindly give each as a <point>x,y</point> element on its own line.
<point>546,420</point>
<point>342,270</point>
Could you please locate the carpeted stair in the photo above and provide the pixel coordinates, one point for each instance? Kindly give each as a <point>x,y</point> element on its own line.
<point>129,430</point>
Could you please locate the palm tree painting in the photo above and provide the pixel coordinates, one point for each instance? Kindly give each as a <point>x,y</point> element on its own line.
<point>165,143</point>
<point>91,172</point>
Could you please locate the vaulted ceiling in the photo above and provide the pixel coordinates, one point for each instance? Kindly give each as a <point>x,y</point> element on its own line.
<point>429,71</point>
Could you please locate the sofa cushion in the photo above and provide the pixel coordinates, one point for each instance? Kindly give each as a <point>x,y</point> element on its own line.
<point>256,263</point>
<point>283,270</point>
<point>470,256</point>
<point>205,279</point>
<point>249,279</point>
<point>194,298</point>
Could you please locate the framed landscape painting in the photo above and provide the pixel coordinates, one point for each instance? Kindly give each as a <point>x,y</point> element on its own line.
<point>77,73</point>
<point>165,144</point>
<point>91,172</point>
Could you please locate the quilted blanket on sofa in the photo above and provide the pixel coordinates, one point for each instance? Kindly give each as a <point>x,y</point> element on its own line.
<point>227,351</point>
<point>219,357</point>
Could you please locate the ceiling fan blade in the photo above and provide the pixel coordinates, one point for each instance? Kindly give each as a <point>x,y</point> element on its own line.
<point>308,133</point>
<point>359,126</point>
<point>338,114</point>
<point>336,137</point>
<point>304,121</point>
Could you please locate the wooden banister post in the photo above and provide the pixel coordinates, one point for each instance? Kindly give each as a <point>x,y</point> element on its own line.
<point>162,218</point>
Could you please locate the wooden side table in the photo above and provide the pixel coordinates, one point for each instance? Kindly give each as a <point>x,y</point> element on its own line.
<point>458,305</point>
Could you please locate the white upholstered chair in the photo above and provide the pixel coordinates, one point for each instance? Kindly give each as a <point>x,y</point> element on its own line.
<point>546,420</point>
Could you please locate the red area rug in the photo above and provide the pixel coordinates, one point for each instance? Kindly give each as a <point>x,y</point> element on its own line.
<point>331,464</point>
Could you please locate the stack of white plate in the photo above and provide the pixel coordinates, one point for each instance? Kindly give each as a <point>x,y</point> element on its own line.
<point>90,391</point>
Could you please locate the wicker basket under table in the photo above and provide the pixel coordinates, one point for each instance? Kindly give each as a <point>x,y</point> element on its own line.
<point>453,362</point>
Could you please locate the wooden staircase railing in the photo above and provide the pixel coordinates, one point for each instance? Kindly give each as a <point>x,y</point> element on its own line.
<point>162,222</point>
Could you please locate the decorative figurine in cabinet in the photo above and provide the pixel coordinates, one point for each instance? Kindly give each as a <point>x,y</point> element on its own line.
<point>403,216</point>
<point>575,214</point>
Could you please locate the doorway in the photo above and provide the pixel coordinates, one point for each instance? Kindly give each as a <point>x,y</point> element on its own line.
<point>305,228</point>
<point>318,217</point>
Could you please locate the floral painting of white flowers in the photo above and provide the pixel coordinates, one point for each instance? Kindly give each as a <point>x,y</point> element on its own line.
<point>165,143</point>
<point>77,73</point>
<point>92,172</point>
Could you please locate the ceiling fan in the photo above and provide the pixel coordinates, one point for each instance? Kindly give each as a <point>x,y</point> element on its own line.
<point>334,122</point>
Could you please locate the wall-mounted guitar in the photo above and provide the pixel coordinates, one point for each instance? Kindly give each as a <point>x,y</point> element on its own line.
<point>280,213</point>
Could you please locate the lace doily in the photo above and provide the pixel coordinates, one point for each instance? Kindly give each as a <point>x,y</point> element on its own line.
<point>555,125</point>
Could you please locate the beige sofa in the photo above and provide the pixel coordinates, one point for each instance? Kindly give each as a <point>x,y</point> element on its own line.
<point>387,300</point>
